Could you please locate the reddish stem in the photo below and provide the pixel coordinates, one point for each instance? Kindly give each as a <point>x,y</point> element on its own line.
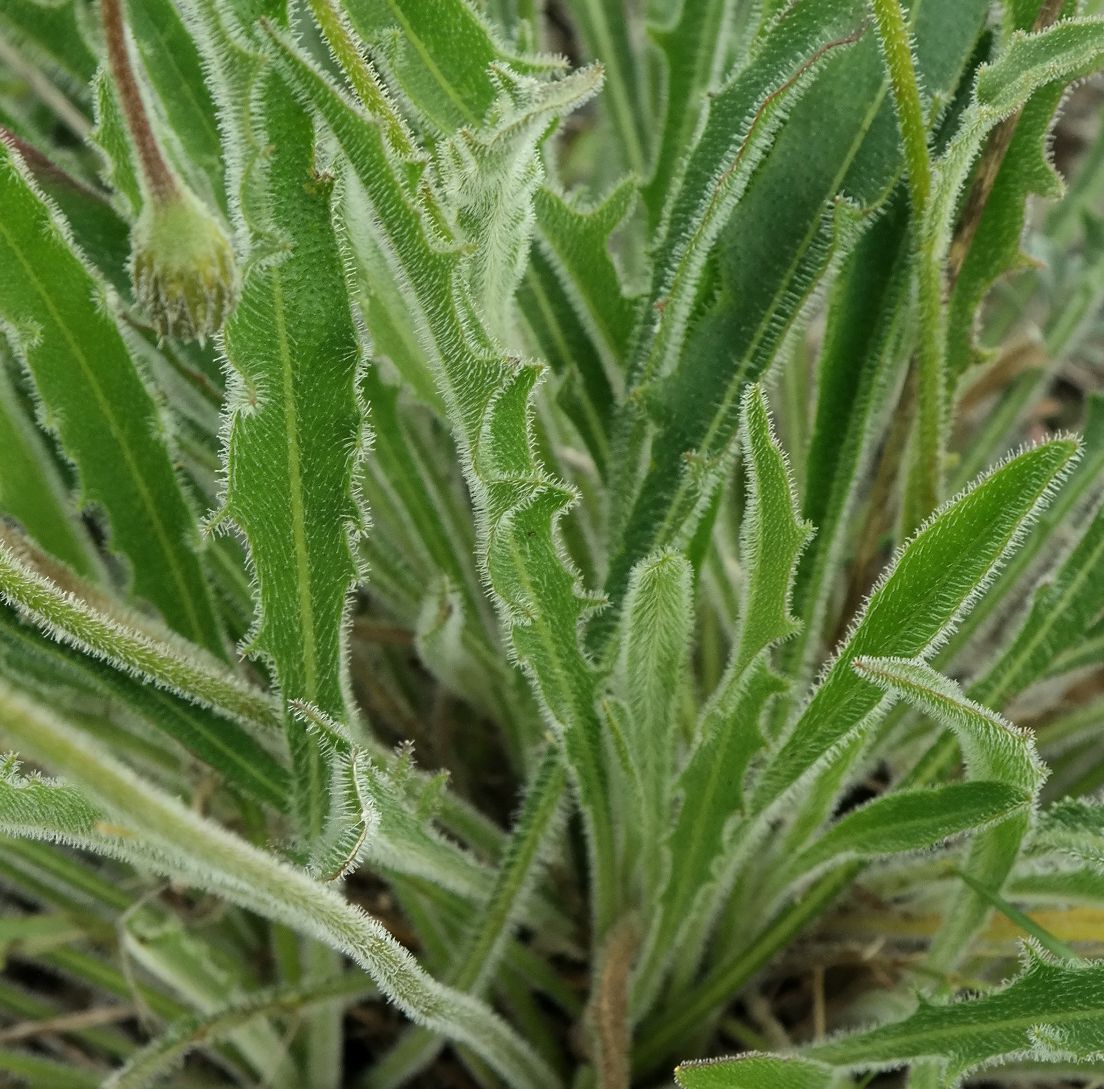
<point>155,170</point>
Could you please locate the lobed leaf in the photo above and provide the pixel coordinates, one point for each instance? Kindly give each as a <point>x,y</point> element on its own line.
<point>517,503</point>
<point>295,426</point>
<point>772,538</point>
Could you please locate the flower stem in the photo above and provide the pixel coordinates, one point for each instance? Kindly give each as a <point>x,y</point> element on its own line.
<point>158,177</point>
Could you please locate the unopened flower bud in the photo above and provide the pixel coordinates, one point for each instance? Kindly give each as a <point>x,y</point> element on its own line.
<point>182,267</point>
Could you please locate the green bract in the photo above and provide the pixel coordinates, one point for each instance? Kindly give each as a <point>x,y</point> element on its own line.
<point>183,269</point>
<point>529,573</point>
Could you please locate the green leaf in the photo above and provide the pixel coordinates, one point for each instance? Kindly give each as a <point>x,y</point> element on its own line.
<point>488,935</point>
<point>936,578</point>
<point>489,176</point>
<point>237,755</point>
<point>575,241</point>
<point>1028,925</point>
<point>1073,827</point>
<point>694,43</point>
<point>1062,611</point>
<point>518,504</point>
<point>295,426</point>
<point>91,396</point>
<point>711,786</point>
<point>131,644</point>
<point>995,249</point>
<point>442,53</point>
<point>51,32</point>
<point>166,836</point>
<point>1049,544</point>
<point>859,370</point>
<point>744,116</point>
<point>560,335</point>
<point>1063,53</point>
<point>655,642</point>
<point>32,491</point>
<point>1049,1010</point>
<point>772,538</point>
<point>728,733</point>
<point>912,820</point>
<point>754,1072</point>
<point>992,749</point>
<point>153,1062</point>
<point>800,214</point>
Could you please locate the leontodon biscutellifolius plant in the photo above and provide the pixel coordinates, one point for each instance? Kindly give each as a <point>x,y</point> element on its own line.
<point>551,544</point>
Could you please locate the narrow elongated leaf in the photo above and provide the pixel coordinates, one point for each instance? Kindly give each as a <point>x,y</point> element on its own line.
<point>992,749</point>
<point>743,117</point>
<point>991,746</point>
<point>488,937</point>
<point>295,427</point>
<point>576,242</point>
<point>518,503</point>
<point>490,175</point>
<point>126,643</point>
<point>1055,537</point>
<point>93,398</point>
<point>31,489</point>
<point>773,536</point>
<point>1049,1010</point>
<point>936,578</point>
<point>694,44</point>
<point>655,643</point>
<point>167,836</point>
<point>441,54</point>
<point>860,366</point>
<point>800,214</point>
<point>51,31</point>
<point>156,1060</point>
<point>233,752</point>
<point>728,736</point>
<point>753,1071</point>
<point>1062,612</point>
<point>1075,827</point>
<point>1063,53</point>
<point>613,40</point>
<point>560,335</point>
<point>995,248</point>
<point>913,820</point>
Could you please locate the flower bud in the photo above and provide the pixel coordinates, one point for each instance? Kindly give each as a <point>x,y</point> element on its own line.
<point>182,267</point>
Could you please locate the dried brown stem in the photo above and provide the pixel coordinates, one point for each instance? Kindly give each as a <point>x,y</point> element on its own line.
<point>609,1006</point>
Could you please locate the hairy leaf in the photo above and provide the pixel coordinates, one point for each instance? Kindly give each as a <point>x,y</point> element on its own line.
<point>60,324</point>
<point>936,577</point>
<point>177,841</point>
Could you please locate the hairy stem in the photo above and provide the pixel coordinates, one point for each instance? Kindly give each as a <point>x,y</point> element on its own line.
<point>156,173</point>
